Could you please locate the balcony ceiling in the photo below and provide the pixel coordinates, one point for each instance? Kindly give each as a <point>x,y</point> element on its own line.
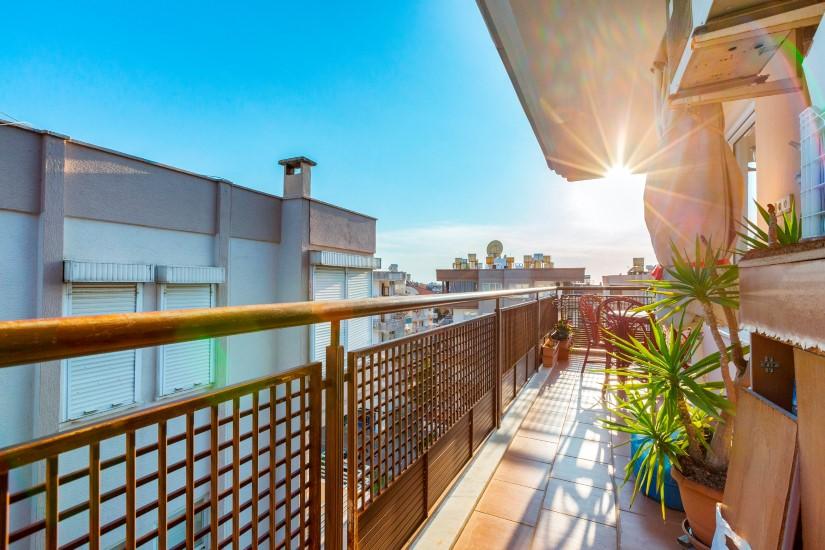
<point>581,69</point>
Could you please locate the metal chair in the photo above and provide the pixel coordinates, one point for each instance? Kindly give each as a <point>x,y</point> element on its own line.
<point>588,310</point>
<point>615,320</point>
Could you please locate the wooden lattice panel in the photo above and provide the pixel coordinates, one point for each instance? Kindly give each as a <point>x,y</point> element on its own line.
<point>408,399</point>
<point>179,474</point>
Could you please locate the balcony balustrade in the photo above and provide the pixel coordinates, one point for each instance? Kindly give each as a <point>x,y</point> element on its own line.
<point>241,466</point>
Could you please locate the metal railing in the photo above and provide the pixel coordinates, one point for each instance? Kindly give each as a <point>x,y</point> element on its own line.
<point>248,472</point>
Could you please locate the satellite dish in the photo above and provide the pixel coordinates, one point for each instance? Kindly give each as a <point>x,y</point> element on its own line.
<point>495,248</point>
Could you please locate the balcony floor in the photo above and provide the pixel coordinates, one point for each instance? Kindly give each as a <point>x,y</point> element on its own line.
<point>559,484</point>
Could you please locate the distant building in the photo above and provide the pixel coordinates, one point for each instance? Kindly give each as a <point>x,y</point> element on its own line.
<point>499,272</point>
<point>389,326</point>
<point>638,272</point>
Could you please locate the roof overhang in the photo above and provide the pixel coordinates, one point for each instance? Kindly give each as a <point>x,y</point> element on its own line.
<point>581,70</point>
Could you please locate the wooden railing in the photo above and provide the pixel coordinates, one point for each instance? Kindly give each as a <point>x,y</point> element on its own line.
<point>267,491</point>
<point>213,466</point>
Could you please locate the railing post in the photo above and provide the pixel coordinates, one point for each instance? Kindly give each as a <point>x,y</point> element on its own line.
<point>499,361</point>
<point>537,357</point>
<point>334,484</point>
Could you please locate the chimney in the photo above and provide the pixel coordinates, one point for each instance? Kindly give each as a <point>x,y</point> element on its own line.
<point>297,177</point>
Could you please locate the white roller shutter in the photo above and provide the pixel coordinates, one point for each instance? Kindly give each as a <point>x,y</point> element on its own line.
<point>358,330</point>
<point>189,364</point>
<point>98,383</point>
<point>328,283</point>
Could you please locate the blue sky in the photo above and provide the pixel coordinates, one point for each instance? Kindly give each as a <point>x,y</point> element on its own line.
<point>405,106</point>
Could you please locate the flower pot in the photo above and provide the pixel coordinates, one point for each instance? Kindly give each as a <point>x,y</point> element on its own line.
<point>549,353</point>
<point>564,348</point>
<point>672,498</point>
<point>700,506</point>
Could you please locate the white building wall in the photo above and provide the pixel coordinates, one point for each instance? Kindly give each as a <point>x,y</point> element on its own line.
<point>252,280</point>
<point>99,241</point>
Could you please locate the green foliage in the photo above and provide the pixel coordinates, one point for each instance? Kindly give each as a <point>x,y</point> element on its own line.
<point>707,280</point>
<point>664,398</point>
<point>788,231</point>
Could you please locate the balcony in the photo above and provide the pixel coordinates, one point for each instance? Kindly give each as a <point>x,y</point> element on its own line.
<point>396,424</point>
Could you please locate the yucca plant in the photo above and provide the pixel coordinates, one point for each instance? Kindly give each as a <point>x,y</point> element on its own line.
<point>666,400</point>
<point>710,281</point>
<point>788,230</point>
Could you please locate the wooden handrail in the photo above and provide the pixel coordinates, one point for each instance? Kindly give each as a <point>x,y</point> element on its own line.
<point>38,340</point>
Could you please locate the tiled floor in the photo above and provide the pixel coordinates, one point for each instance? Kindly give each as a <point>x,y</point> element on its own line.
<point>559,485</point>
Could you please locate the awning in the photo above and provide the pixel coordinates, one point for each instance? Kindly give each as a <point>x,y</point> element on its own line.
<point>581,69</point>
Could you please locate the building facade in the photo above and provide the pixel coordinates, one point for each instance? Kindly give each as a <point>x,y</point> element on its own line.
<point>390,326</point>
<point>91,231</point>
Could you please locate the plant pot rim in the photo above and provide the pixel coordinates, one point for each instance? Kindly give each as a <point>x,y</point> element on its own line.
<point>709,492</point>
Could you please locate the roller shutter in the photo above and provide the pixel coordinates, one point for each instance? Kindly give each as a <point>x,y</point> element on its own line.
<point>328,284</point>
<point>189,364</point>
<point>98,383</point>
<point>358,330</point>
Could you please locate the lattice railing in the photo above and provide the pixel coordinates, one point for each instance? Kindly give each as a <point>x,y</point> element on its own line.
<point>405,397</point>
<point>225,466</point>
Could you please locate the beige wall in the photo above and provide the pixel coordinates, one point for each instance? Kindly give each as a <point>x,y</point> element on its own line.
<point>333,227</point>
<point>20,167</point>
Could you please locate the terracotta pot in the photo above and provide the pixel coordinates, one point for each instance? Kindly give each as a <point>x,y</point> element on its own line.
<point>700,506</point>
<point>549,353</point>
<point>564,348</point>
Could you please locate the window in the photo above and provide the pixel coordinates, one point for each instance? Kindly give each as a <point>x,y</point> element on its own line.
<point>189,364</point>
<point>337,283</point>
<point>98,383</point>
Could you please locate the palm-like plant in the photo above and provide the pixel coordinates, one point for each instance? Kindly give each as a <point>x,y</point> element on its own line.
<point>788,230</point>
<point>710,281</point>
<point>667,400</point>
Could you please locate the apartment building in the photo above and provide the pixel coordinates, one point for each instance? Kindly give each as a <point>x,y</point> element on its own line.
<point>88,230</point>
<point>502,272</point>
<point>390,326</point>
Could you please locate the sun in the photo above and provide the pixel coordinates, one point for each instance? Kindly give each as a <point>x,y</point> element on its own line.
<point>618,172</point>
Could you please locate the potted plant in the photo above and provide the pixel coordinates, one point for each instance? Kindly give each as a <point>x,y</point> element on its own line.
<point>549,353</point>
<point>666,400</point>
<point>563,334</point>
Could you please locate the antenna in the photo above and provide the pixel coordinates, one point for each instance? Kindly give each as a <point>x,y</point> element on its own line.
<point>495,248</point>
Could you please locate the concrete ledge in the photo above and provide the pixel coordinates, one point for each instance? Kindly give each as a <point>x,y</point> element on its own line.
<point>443,527</point>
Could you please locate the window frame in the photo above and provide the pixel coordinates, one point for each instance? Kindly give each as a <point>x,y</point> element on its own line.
<point>64,363</point>
<point>161,357</point>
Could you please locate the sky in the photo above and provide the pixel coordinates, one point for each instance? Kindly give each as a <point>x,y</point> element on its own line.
<point>406,107</point>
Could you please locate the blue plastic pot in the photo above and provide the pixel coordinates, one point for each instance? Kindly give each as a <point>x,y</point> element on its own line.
<point>673,499</point>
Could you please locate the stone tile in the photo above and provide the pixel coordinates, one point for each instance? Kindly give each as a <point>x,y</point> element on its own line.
<point>586,472</point>
<point>619,438</point>
<point>587,416</point>
<point>582,501</point>
<point>532,449</point>
<point>643,505</point>
<point>491,532</point>
<point>539,430</point>
<point>650,531</point>
<point>548,418</point>
<point>510,501</point>
<point>529,473</point>
<point>556,531</point>
<point>619,463</point>
<point>586,431</point>
<point>585,448</point>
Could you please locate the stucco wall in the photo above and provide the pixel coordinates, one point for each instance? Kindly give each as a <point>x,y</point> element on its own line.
<point>18,300</point>
<point>252,280</point>
<point>255,216</point>
<point>101,241</point>
<point>331,227</point>
<point>20,154</point>
<point>105,186</point>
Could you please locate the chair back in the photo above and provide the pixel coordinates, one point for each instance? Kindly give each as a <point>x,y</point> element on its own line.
<point>614,316</point>
<point>589,311</point>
